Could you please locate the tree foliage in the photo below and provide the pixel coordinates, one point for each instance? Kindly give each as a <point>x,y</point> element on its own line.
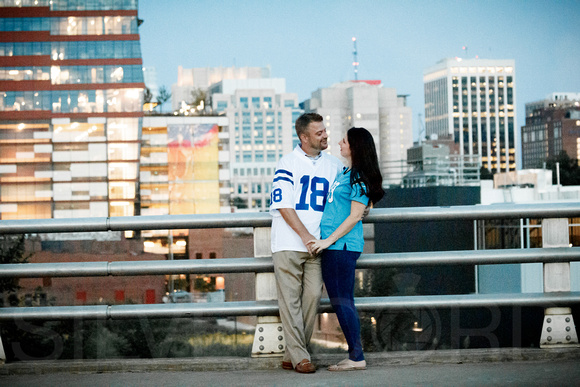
<point>12,250</point>
<point>114,339</point>
<point>147,96</point>
<point>569,169</point>
<point>164,96</point>
<point>197,95</point>
<point>485,174</point>
<point>238,202</point>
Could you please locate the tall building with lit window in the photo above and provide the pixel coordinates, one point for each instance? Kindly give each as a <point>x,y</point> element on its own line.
<point>367,104</point>
<point>552,126</point>
<point>471,104</point>
<point>261,118</point>
<point>71,91</point>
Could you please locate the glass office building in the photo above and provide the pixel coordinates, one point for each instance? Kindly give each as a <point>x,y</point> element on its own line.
<point>472,104</point>
<point>71,93</point>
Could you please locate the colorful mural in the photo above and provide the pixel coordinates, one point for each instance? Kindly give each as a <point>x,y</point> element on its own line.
<point>193,171</point>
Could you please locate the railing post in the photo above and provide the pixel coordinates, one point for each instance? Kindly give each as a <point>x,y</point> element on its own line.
<point>2,353</point>
<point>558,329</point>
<point>269,336</point>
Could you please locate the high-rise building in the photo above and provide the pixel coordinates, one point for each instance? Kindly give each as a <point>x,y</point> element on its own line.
<point>261,118</point>
<point>369,105</point>
<point>471,104</point>
<point>552,126</point>
<point>71,90</point>
<point>201,78</point>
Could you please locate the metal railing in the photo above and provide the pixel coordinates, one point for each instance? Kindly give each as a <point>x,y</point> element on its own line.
<point>553,255</point>
<point>262,265</point>
<point>262,219</point>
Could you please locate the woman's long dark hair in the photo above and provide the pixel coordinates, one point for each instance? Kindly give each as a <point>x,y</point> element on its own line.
<point>365,164</point>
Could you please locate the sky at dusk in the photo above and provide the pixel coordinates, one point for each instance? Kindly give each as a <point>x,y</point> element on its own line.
<point>309,43</point>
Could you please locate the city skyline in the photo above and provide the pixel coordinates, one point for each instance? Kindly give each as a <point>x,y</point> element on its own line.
<point>310,45</point>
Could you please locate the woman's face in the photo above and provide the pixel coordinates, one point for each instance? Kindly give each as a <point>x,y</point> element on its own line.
<point>344,148</point>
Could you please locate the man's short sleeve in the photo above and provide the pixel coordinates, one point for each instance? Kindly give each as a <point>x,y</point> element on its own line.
<point>282,195</point>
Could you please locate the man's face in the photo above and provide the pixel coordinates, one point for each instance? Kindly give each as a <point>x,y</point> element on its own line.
<point>316,137</point>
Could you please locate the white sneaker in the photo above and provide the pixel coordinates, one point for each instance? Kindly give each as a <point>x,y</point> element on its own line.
<point>349,365</point>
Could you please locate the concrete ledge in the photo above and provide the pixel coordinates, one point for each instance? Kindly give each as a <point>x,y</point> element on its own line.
<point>321,360</point>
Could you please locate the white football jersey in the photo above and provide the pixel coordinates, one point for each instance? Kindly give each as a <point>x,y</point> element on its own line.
<point>301,183</point>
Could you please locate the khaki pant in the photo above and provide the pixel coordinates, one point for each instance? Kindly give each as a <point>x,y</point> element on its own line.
<point>299,284</point>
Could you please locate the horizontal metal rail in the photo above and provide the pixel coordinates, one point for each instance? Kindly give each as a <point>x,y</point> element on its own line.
<point>262,219</point>
<point>270,308</point>
<point>264,308</point>
<point>260,265</point>
<point>475,212</point>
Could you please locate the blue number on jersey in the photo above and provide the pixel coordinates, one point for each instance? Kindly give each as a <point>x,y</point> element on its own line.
<point>315,193</point>
<point>276,195</point>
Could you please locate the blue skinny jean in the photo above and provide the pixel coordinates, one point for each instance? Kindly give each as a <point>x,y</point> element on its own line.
<point>338,274</point>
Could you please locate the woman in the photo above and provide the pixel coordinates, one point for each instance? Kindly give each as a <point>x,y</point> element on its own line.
<point>341,234</point>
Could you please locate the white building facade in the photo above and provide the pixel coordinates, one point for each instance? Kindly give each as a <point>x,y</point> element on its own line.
<point>472,104</point>
<point>261,118</point>
<point>201,78</point>
<point>379,110</point>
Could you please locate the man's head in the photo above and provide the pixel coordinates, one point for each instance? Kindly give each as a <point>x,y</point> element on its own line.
<point>312,133</point>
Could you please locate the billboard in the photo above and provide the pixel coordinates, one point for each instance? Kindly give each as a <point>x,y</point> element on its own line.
<point>193,170</point>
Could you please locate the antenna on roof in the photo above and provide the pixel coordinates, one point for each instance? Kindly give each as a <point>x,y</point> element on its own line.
<point>355,60</point>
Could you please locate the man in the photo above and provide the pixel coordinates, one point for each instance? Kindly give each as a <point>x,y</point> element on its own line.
<point>301,182</point>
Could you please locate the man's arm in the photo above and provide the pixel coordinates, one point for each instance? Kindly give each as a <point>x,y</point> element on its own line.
<point>291,218</point>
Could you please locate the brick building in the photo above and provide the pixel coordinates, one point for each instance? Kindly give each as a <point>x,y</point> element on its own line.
<point>552,126</point>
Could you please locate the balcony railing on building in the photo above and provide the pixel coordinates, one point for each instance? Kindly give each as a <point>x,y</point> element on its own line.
<point>448,170</point>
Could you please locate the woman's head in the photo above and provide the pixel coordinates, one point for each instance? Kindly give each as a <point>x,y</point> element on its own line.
<point>364,162</point>
<point>362,146</point>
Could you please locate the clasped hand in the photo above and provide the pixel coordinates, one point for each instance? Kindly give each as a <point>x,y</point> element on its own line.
<point>315,246</point>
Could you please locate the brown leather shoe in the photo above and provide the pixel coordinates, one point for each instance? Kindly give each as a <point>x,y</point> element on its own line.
<point>305,367</point>
<point>287,365</point>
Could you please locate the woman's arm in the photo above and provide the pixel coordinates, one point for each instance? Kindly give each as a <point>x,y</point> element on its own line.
<point>356,213</point>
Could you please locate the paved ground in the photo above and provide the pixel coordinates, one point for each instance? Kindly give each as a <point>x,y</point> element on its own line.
<point>504,367</point>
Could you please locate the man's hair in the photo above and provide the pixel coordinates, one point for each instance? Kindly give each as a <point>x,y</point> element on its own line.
<point>304,120</point>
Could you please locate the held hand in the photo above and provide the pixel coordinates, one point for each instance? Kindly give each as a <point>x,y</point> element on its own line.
<point>306,240</point>
<point>316,246</point>
<point>366,211</point>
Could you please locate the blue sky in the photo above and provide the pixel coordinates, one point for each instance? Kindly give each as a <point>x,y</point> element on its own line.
<point>310,42</point>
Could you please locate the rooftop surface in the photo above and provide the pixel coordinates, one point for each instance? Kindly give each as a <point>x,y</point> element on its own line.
<point>469,367</point>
